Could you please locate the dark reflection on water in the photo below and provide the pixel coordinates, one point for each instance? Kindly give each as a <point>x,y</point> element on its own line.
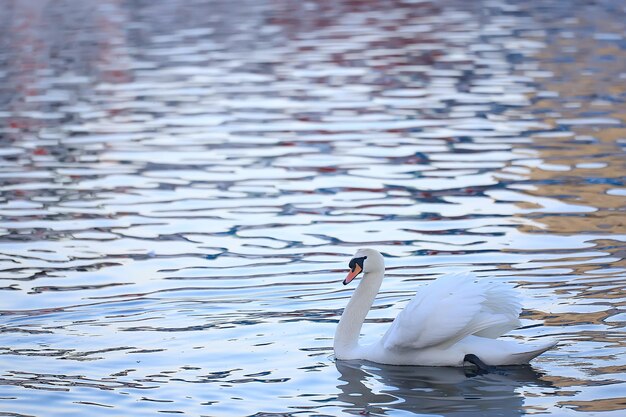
<point>182,183</point>
<point>374,388</point>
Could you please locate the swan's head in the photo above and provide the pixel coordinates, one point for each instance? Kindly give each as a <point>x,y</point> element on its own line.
<point>366,261</point>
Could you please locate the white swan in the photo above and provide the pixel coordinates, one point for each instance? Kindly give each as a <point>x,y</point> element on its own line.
<point>449,318</point>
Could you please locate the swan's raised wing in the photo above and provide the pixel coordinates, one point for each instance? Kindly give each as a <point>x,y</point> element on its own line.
<point>451,308</point>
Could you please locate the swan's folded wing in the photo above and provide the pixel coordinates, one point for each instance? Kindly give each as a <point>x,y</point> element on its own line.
<point>502,301</point>
<point>445,311</point>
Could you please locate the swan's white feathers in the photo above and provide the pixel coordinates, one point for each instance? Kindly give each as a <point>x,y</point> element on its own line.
<point>451,308</point>
<point>448,318</point>
<point>504,302</point>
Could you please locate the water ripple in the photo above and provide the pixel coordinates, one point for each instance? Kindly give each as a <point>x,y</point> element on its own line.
<point>180,192</point>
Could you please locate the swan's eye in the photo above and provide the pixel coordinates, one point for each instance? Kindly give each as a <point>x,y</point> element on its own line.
<point>356,261</point>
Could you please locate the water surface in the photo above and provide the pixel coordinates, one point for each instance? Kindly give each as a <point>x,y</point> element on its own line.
<point>183,183</point>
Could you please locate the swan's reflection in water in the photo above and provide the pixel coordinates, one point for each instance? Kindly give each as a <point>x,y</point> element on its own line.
<point>374,389</point>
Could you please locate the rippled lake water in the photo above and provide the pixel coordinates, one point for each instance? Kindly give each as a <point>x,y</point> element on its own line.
<point>183,183</point>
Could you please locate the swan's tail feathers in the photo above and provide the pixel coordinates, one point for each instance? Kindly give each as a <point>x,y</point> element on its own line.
<point>531,352</point>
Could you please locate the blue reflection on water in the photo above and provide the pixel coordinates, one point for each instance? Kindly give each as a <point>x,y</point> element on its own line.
<point>182,186</point>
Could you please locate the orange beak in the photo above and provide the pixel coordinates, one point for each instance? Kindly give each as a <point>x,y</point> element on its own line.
<point>352,274</point>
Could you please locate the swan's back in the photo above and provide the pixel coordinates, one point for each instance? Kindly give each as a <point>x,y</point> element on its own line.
<point>451,308</point>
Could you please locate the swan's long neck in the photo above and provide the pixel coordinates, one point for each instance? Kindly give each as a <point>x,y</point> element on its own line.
<point>349,327</point>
